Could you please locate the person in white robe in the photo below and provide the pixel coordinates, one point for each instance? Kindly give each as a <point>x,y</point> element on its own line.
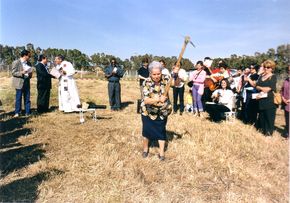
<point>68,96</point>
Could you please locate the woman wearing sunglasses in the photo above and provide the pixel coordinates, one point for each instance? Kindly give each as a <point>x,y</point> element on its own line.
<point>267,108</point>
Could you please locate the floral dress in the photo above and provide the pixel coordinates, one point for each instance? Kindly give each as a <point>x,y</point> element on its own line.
<point>151,90</point>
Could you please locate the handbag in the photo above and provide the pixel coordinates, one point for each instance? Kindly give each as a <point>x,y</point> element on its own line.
<point>277,98</point>
<point>190,83</point>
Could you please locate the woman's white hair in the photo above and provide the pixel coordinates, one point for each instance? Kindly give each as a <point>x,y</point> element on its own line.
<point>155,65</point>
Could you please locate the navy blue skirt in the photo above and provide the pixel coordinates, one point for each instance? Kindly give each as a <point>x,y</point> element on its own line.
<point>154,129</point>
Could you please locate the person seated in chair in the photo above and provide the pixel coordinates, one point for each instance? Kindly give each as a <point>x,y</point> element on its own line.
<point>223,101</point>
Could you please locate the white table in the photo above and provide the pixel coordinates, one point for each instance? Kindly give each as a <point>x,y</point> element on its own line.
<point>82,111</point>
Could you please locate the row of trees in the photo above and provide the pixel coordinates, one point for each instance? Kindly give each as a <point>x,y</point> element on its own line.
<point>281,56</point>
<point>81,61</point>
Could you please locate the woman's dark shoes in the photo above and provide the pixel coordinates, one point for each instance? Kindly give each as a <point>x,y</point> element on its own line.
<point>161,158</point>
<point>145,154</point>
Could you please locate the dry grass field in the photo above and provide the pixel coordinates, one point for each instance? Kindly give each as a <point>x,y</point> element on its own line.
<point>54,158</point>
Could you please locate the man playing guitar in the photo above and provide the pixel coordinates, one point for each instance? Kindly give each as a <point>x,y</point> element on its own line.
<point>221,74</point>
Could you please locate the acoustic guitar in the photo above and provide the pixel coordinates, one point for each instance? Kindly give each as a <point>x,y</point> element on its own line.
<point>210,83</point>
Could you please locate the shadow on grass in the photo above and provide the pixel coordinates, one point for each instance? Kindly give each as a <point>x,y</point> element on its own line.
<point>9,139</point>
<point>4,115</point>
<point>126,104</point>
<point>170,137</point>
<point>53,108</point>
<point>12,123</point>
<point>104,118</point>
<point>18,158</point>
<point>26,189</point>
<point>281,131</point>
<point>96,106</point>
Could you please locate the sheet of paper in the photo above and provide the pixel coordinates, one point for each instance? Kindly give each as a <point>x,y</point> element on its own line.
<point>27,68</point>
<point>54,72</point>
<point>260,95</point>
<point>207,63</point>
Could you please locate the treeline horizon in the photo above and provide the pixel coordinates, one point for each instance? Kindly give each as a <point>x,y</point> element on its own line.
<point>281,55</point>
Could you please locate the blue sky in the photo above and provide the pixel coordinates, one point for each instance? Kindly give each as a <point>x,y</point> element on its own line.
<point>124,28</point>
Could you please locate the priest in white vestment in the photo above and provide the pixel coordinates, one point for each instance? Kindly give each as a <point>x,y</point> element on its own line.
<point>68,96</point>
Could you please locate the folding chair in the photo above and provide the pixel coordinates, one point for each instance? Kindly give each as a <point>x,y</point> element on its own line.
<point>231,115</point>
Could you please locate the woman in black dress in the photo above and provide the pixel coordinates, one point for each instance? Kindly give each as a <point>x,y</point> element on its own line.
<point>266,84</point>
<point>155,108</point>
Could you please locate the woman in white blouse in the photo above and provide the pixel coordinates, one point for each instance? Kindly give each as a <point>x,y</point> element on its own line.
<point>179,76</point>
<point>223,101</point>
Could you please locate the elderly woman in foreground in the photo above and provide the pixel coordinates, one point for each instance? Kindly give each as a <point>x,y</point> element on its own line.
<point>155,109</point>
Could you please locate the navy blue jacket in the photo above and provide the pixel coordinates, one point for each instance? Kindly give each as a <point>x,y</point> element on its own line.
<point>113,77</point>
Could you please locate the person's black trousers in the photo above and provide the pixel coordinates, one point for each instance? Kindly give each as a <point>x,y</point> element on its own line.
<point>114,89</point>
<point>43,97</point>
<point>250,110</point>
<point>178,93</point>
<point>286,114</point>
<point>266,121</point>
<point>206,97</point>
<point>253,111</point>
<point>216,111</point>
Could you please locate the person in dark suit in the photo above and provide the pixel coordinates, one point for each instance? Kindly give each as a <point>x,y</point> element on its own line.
<point>21,74</point>
<point>143,74</point>
<point>43,84</point>
<point>114,73</point>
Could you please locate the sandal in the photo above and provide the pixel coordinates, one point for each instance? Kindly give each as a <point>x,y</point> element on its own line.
<point>145,154</point>
<point>162,158</point>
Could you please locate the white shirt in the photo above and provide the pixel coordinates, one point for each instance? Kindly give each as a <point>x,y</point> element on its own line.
<point>235,82</point>
<point>183,75</point>
<point>165,71</point>
<point>26,67</point>
<point>226,97</point>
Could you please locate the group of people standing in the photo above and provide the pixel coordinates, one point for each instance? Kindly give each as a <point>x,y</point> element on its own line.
<point>67,91</point>
<point>252,89</point>
<point>213,90</point>
<point>68,96</point>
